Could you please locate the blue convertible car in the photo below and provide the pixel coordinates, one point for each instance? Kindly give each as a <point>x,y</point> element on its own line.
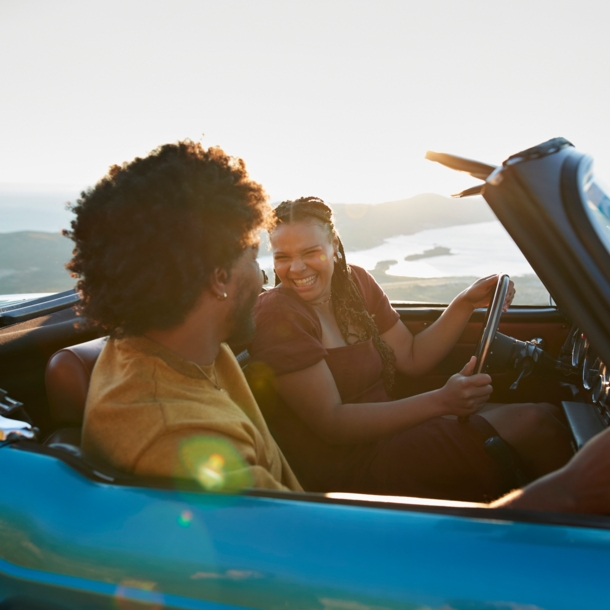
<point>74,534</point>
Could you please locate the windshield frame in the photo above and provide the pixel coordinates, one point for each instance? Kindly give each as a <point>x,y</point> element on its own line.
<point>576,172</point>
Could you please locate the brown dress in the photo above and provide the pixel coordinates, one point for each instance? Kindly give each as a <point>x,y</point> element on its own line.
<point>440,458</point>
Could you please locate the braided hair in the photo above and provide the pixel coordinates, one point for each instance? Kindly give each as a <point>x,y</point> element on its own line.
<point>353,319</point>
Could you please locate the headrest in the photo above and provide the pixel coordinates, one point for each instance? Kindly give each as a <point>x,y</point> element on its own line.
<point>67,380</point>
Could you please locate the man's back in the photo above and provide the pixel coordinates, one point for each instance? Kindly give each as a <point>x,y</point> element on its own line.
<point>152,413</point>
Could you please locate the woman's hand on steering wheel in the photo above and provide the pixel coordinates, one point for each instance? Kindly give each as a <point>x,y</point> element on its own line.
<point>465,393</point>
<point>482,291</point>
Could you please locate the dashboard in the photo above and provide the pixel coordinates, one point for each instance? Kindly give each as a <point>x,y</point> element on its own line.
<point>589,412</point>
<point>595,375</point>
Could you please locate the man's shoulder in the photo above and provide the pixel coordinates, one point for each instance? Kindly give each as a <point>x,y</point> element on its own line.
<point>124,373</point>
<point>121,352</point>
<point>126,414</point>
<point>210,409</point>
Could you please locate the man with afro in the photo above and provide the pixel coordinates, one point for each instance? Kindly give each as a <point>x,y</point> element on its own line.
<point>165,252</point>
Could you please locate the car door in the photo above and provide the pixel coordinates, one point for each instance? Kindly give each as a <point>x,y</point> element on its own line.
<point>30,332</point>
<point>75,541</point>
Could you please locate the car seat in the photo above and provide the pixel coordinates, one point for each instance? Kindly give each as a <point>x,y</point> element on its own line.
<point>67,379</point>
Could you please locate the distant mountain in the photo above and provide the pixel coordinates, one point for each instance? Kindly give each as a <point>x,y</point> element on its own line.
<point>364,226</point>
<point>33,261</point>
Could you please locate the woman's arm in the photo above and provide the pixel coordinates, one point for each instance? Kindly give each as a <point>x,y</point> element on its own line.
<point>416,355</point>
<point>313,394</point>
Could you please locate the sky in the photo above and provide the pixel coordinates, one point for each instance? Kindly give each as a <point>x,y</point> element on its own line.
<point>333,98</point>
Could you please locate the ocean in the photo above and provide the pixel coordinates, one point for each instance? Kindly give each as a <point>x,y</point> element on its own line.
<point>473,250</point>
<point>35,209</point>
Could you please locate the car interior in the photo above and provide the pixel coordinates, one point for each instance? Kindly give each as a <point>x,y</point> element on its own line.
<point>46,363</point>
<point>47,354</point>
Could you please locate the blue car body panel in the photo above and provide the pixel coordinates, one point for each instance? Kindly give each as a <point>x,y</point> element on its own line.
<point>98,545</point>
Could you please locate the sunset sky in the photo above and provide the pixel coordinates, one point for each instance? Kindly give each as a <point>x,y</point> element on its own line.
<point>333,98</point>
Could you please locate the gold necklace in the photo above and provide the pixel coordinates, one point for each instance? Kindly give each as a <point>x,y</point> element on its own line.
<point>330,296</point>
<point>214,381</point>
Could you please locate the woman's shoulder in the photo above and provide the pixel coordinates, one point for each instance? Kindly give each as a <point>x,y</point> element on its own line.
<point>364,280</point>
<point>271,297</point>
<point>375,299</point>
<point>277,309</point>
<point>279,300</point>
<point>288,333</point>
<point>360,273</point>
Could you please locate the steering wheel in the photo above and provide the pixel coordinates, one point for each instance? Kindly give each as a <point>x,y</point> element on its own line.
<point>492,321</point>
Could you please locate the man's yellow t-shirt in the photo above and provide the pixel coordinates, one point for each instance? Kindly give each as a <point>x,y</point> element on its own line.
<point>151,413</point>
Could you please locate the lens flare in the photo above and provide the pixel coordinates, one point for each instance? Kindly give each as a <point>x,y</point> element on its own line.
<point>211,472</point>
<point>215,464</point>
<point>356,210</point>
<point>185,518</point>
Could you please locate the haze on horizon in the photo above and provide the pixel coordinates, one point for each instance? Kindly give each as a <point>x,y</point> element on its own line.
<point>331,98</point>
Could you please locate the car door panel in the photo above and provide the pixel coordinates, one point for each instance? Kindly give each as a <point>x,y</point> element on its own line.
<point>280,550</point>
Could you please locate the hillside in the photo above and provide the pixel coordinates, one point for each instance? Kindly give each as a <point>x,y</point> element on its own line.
<point>33,261</point>
<point>364,226</point>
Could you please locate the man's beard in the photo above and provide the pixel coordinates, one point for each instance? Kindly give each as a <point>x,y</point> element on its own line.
<point>241,318</point>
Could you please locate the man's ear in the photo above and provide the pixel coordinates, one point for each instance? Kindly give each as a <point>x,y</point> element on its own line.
<point>218,283</point>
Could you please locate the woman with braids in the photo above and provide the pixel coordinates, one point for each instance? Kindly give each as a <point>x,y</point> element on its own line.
<point>332,342</point>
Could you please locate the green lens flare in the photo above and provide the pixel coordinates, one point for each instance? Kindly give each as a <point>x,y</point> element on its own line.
<point>215,464</point>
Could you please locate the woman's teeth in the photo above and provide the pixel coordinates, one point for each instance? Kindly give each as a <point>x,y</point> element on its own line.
<point>308,281</point>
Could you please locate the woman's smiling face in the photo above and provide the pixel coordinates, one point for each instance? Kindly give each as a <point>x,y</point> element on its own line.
<point>303,258</point>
